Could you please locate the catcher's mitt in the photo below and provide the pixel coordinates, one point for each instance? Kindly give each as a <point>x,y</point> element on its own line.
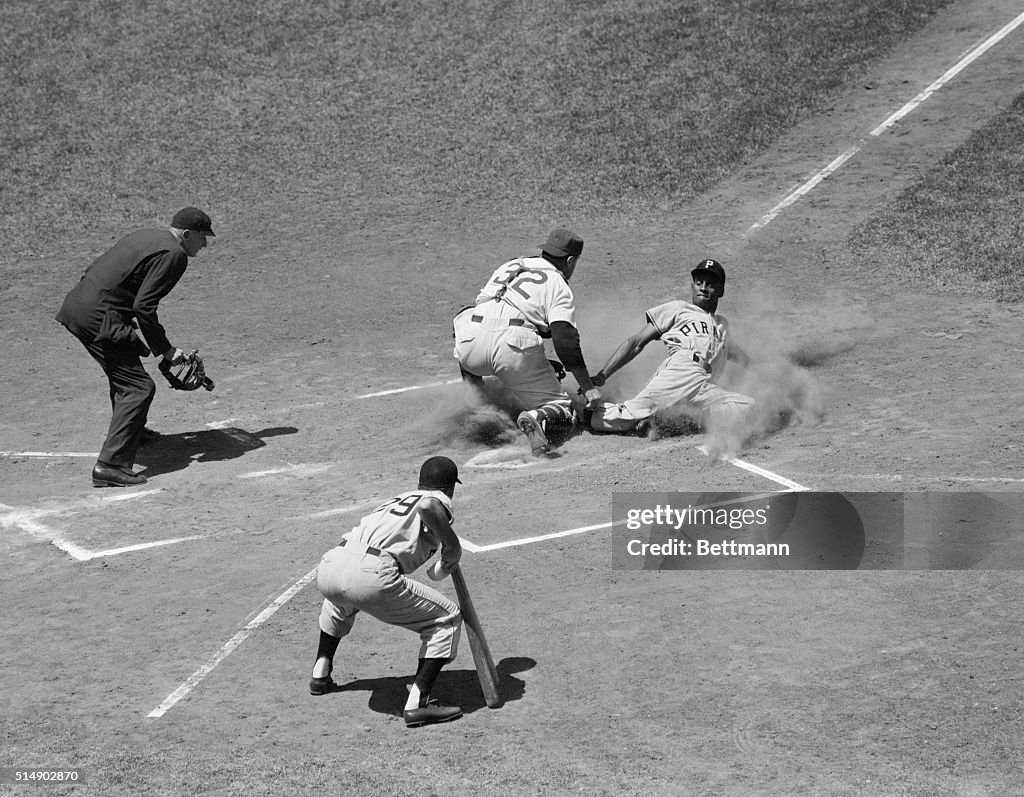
<point>189,374</point>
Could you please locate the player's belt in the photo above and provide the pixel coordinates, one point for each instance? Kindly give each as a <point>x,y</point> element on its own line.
<point>367,548</point>
<point>512,322</point>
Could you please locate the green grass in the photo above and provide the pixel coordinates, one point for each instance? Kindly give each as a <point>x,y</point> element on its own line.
<point>360,113</point>
<point>963,222</point>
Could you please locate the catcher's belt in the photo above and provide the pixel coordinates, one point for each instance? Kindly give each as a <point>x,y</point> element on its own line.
<point>498,323</point>
<point>189,374</point>
<point>512,322</point>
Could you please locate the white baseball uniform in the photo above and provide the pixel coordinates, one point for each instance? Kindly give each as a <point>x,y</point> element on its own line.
<point>503,334</point>
<point>698,348</point>
<point>368,572</point>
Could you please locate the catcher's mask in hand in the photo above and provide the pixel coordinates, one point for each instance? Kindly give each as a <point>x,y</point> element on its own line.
<point>189,374</point>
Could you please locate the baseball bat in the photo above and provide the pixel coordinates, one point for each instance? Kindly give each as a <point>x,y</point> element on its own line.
<point>477,641</point>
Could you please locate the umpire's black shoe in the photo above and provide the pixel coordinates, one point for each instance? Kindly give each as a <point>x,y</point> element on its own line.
<point>325,685</point>
<point>321,686</point>
<point>431,713</point>
<point>104,475</point>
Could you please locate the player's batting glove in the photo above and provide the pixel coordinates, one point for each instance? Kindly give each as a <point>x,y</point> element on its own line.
<point>599,379</point>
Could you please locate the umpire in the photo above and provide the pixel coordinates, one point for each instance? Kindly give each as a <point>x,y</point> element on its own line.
<point>113,303</point>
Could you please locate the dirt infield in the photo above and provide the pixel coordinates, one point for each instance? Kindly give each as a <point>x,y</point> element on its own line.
<point>893,682</point>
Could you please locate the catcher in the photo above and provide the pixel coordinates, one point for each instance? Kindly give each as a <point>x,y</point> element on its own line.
<point>524,301</point>
<point>113,313</point>
<point>697,339</point>
<point>368,572</point>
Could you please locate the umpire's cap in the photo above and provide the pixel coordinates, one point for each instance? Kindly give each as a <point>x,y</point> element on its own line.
<point>563,243</point>
<point>710,267</point>
<point>192,219</point>
<point>439,472</point>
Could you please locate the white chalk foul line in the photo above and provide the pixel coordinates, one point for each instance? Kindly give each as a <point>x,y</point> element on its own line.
<point>948,75</point>
<point>49,454</point>
<point>973,55</point>
<point>544,537</point>
<point>752,468</point>
<point>231,644</point>
<point>807,187</point>
<point>140,546</point>
<point>407,389</point>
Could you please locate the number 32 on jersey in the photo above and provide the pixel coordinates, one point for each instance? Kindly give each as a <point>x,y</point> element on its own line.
<point>517,279</point>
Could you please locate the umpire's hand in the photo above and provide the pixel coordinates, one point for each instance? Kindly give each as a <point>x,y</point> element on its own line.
<point>174,356</point>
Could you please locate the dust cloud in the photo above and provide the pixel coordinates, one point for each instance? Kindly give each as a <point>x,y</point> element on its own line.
<point>782,352</point>
<point>784,347</point>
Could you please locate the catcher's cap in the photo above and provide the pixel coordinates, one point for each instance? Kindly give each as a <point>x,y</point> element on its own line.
<point>563,243</point>
<point>710,266</point>
<point>439,472</point>
<point>192,219</point>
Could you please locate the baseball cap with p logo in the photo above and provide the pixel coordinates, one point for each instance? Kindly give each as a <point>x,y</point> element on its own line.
<point>710,267</point>
<point>192,219</point>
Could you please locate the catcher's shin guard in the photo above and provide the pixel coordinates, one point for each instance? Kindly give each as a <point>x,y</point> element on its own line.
<point>559,422</point>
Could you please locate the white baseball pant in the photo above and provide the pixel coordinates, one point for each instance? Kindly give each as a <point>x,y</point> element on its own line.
<point>493,339</point>
<point>353,581</point>
<point>679,383</point>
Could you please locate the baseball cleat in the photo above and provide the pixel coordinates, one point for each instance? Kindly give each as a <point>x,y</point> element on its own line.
<point>531,427</point>
<point>431,713</point>
<point>104,475</point>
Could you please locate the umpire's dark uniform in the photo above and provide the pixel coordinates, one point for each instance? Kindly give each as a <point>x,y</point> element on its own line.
<point>123,285</point>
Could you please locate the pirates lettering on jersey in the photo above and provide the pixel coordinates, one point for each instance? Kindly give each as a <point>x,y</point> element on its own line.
<point>695,327</point>
<point>686,327</point>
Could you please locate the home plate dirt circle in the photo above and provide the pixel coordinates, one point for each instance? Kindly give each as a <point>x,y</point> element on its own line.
<point>503,458</point>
